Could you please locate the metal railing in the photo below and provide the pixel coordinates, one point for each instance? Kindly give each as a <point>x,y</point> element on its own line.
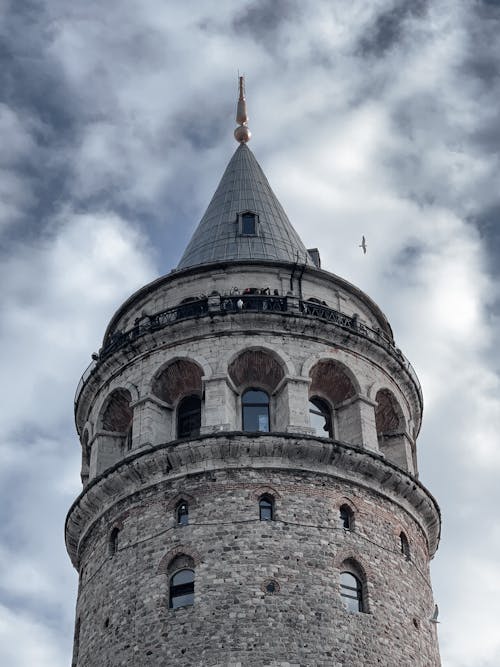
<point>241,303</point>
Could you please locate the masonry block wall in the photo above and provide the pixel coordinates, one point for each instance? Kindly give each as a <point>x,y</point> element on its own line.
<point>265,592</point>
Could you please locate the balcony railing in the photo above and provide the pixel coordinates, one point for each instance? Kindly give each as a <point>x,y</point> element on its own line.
<point>242,303</point>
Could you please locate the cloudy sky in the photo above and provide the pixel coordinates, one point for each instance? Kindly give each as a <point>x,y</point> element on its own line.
<point>377,118</point>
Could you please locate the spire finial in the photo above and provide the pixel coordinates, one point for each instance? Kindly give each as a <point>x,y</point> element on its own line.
<point>242,134</point>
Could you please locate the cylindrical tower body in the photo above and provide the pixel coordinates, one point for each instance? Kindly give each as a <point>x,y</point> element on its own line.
<point>250,486</point>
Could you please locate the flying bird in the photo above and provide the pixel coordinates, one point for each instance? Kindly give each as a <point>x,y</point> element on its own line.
<point>363,245</point>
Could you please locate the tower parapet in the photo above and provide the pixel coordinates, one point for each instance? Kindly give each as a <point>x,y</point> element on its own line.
<point>251,493</point>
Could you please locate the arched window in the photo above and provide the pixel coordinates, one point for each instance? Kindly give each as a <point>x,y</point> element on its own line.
<point>189,417</point>
<point>182,513</point>
<point>351,590</point>
<point>113,541</point>
<point>255,408</point>
<point>347,517</point>
<point>181,589</point>
<point>266,508</point>
<point>405,546</point>
<point>320,417</point>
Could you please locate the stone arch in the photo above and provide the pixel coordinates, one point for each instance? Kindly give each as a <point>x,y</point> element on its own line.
<point>257,367</point>
<point>265,491</point>
<point>116,412</point>
<point>177,378</point>
<point>389,417</point>
<point>181,550</point>
<point>392,438</point>
<point>333,380</point>
<point>179,497</point>
<point>335,384</point>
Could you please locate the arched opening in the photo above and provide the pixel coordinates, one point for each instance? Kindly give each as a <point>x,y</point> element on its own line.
<point>255,410</point>
<point>117,414</point>
<point>333,385</point>
<point>404,545</point>
<point>266,508</point>
<point>353,587</point>
<point>189,417</point>
<point>390,424</point>
<point>320,417</point>
<point>113,541</point>
<point>181,589</point>
<point>346,517</point>
<point>181,377</point>
<point>351,591</point>
<point>181,582</point>
<point>182,513</point>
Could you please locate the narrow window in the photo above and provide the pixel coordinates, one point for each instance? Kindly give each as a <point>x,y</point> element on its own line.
<point>248,224</point>
<point>189,417</point>
<point>182,513</point>
<point>76,643</point>
<point>128,438</point>
<point>181,589</point>
<point>266,508</point>
<point>351,591</point>
<point>255,405</point>
<point>405,546</point>
<point>113,541</point>
<point>320,418</point>
<point>347,517</point>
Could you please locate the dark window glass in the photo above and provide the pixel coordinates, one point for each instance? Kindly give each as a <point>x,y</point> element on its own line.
<point>181,589</point>
<point>189,417</point>
<point>248,224</point>
<point>113,541</point>
<point>405,546</point>
<point>346,517</point>
<point>255,404</point>
<point>266,508</point>
<point>320,418</point>
<point>182,514</point>
<point>351,591</point>
<point>271,587</point>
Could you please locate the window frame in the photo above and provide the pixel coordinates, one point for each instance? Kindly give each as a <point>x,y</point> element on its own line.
<point>241,223</point>
<point>188,415</point>
<point>255,405</point>
<point>346,592</point>
<point>182,517</point>
<point>268,500</point>
<point>325,411</point>
<point>180,590</point>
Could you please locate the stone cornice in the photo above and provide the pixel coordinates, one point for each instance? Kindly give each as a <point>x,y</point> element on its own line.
<point>225,450</point>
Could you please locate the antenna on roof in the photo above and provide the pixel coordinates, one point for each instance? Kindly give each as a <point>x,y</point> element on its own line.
<point>242,134</point>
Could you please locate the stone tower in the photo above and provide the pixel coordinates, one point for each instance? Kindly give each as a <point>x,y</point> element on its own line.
<point>250,489</point>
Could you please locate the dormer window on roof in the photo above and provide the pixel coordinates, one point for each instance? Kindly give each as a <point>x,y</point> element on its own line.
<point>247,223</point>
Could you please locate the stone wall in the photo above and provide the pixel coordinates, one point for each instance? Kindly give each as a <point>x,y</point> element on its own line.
<point>123,598</point>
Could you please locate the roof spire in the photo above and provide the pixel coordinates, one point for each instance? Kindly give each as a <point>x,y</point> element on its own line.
<point>242,133</point>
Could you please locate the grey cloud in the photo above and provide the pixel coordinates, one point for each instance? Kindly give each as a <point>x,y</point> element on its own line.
<point>262,18</point>
<point>389,26</point>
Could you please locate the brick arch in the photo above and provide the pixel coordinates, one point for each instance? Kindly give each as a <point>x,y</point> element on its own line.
<point>116,413</point>
<point>389,416</point>
<point>180,550</point>
<point>265,490</point>
<point>256,367</point>
<point>351,556</point>
<point>179,497</point>
<point>332,380</point>
<point>177,378</point>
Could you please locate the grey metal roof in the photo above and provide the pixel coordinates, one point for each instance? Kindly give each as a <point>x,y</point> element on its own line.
<point>243,187</point>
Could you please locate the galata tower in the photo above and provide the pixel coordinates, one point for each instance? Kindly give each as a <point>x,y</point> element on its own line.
<point>250,487</point>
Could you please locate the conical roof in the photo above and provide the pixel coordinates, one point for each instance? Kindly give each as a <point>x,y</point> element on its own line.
<point>243,188</point>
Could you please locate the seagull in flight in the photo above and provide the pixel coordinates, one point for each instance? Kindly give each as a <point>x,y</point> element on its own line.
<point>363,245</point>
